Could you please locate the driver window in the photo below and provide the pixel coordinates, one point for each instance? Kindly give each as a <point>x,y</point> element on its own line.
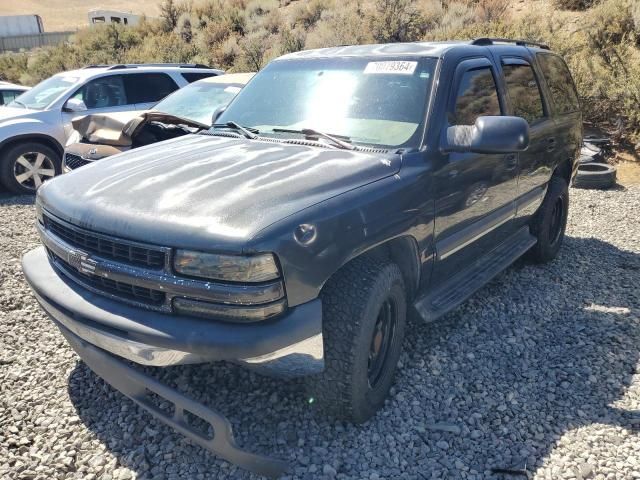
<point>102,93</point>
<point>477,96</point>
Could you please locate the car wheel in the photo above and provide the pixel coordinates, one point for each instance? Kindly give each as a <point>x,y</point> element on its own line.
<point>550,221</point>
<point>364,316</point>
<point>26,166</point>
<point>595,175</point>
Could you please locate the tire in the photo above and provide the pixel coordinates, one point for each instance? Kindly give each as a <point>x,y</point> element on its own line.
<point>352,387</point>
<point>595,175</point>
<point>17,161</point>
<point>550,221</point>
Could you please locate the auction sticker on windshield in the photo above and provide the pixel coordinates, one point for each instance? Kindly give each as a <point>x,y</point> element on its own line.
<point>396,67</point>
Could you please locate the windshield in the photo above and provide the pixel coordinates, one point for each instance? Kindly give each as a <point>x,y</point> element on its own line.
<point>371,101</point>
<point>40,96</point>
<point>198,101</point>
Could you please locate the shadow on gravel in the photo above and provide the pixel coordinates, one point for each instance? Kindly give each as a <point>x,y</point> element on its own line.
<point>540,351</point>
<point>11,199</point>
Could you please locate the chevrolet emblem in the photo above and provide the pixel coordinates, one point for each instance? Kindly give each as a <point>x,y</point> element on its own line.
<point>82,262</point>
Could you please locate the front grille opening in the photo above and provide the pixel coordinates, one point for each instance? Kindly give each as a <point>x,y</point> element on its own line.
<point>107,248</point>
<point>119,289</point>
<point>74,161</point>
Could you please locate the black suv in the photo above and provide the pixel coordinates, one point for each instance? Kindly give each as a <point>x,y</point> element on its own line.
<point>341,191</point>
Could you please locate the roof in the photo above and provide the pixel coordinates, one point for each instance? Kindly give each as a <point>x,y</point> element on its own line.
<point>12,86</point>
<point>240,78</point>
<point>415,49</point>
<point>93,71</point>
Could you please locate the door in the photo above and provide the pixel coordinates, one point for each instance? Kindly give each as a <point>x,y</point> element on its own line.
<point>524,99</point>
<point>147,89</point>
<point>101,95</point>
<point>475,193</point>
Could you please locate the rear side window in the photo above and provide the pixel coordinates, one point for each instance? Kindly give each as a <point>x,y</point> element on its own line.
<point>524,92</point>
<point>477,96</point>
<point>102,92</point>
<point>9,96</point>
<point>148,87</point>
<point>560,83</point>
<point>194,77</point>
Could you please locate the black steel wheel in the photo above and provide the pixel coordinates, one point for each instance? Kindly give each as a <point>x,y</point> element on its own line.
<point>381,341</point>
<point>550,221</point>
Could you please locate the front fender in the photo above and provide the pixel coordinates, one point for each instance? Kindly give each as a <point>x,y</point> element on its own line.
<point>342,228</point>
<point>29,129</point>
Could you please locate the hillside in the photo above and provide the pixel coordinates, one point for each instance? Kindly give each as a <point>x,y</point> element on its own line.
<point>60,15</point>
<point>600,39</point>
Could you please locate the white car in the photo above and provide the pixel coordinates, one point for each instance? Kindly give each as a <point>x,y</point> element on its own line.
<point>188,110</point>
<point>35,126</point>
<point>9,92</point>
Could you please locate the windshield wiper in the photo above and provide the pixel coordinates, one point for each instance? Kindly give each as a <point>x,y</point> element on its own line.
<point>310,132</point>
<point>248,132</point>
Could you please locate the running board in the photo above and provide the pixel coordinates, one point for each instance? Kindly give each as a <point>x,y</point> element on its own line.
<point>446,297</point>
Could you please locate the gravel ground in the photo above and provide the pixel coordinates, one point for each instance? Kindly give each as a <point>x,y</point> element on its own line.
<point>540,369</point>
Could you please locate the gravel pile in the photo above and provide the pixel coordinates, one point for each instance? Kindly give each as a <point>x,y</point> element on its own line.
<point>538,371</point>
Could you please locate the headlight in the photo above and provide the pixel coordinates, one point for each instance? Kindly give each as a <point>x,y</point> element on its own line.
<point>231,268</point>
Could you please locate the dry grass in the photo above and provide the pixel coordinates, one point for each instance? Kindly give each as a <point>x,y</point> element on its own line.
<point>60,15</point>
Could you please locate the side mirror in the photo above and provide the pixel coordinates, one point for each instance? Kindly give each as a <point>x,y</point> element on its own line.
<point>74,105</point>
<point>489,135</point>
<point>216,114</point>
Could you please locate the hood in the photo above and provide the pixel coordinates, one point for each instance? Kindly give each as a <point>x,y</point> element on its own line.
<point>7,114</point>
<point>106,128</point>
<point>207,192</point>
<point>120,128</point>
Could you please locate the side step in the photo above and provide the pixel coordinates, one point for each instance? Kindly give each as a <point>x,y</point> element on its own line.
<point>444,298</point>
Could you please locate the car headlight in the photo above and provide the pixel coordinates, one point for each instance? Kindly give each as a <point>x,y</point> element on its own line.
<point>230,268</point>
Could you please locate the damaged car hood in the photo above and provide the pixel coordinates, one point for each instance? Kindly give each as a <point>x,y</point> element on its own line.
<point>119,129</point>
<point>207,192</point>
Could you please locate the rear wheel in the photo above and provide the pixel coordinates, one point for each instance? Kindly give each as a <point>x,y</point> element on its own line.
<point>364,317</point>
<point>550,221</point>
<point>26,166</point>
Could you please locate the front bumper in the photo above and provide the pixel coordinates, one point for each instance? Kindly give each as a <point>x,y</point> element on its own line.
<point>290,345</point>
<point>138,387</point>
<point>79,154</point>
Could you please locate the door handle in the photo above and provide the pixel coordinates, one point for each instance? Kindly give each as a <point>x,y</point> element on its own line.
<point>551,144</point>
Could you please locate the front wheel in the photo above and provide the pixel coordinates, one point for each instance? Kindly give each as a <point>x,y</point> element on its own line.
<point>364,317</point>
<point>550,221</point>
<point>26,166</point>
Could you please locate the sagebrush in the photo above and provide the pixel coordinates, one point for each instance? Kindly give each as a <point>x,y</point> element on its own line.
<point>601,45</point>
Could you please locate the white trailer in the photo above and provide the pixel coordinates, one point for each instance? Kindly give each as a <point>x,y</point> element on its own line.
<point>16,25</point>
<point>99,17</point>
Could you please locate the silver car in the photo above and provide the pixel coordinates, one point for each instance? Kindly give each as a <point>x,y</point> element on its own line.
<point>35,126</point>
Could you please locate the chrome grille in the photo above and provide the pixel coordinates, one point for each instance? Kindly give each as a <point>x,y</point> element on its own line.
<point>107,247</point>
<point>74,161</point>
